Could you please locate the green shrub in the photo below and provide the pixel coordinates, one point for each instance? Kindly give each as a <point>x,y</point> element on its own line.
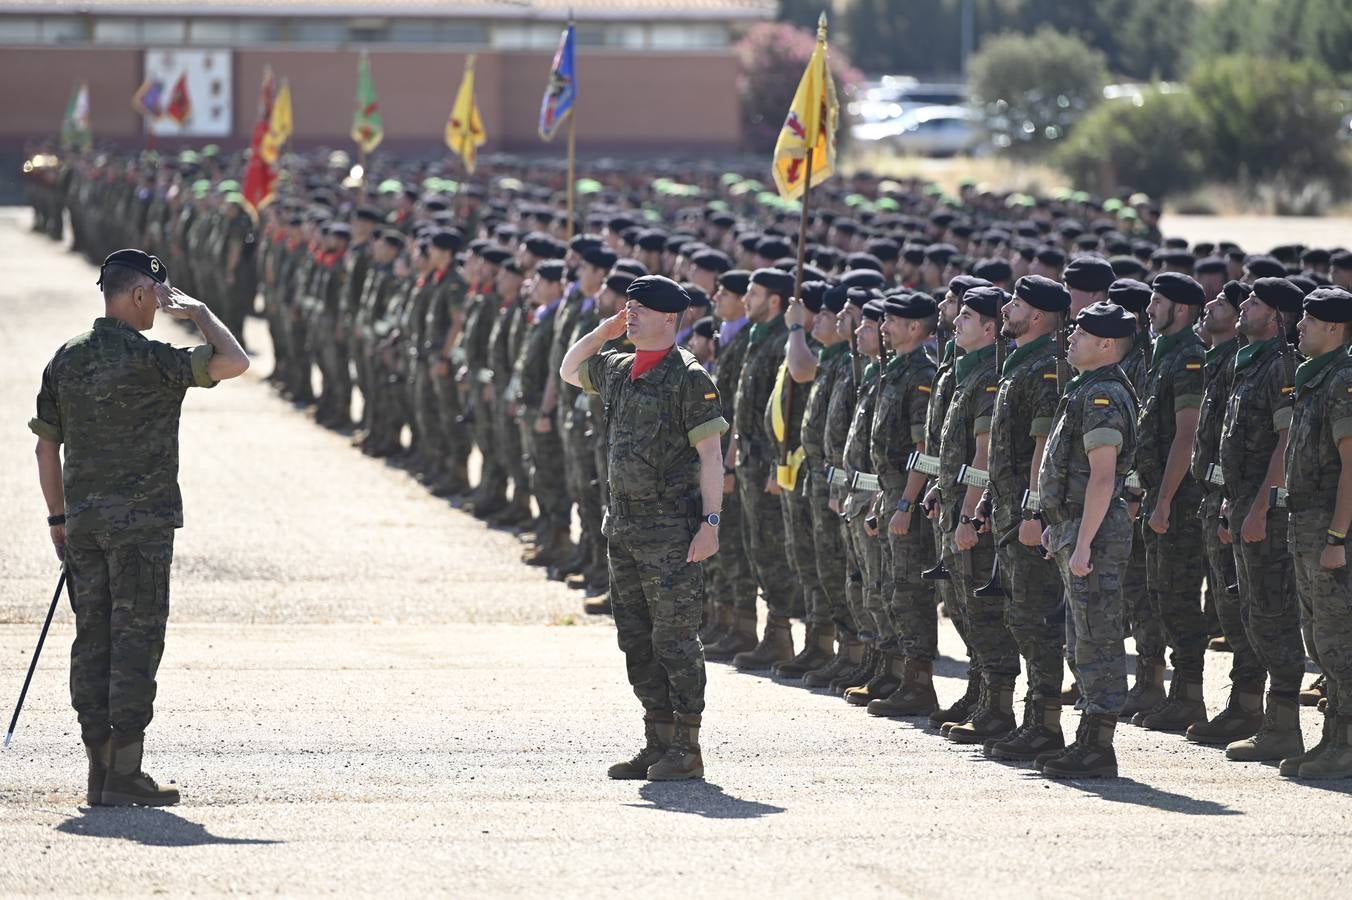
<point>1159,146</point>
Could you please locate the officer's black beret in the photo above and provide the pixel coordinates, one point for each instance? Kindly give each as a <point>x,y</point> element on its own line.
<point>863,261</point>
<point>910,305</point>
<point>735,281</point>
<point>1329,304</point>
<point>600,257</point>
<point>962,229</point>
<point>447,239</point>
<point>1130,294</point>
<point>551,270</point>
<point>773,248</point>
<point>581,243</point>
<point>369,214</point>
<point>658,293</point>
<point>394,239</point>
<point>715,261</point>
<point>775,281</point>
<point>1279,293</point>
<point>343,230</point>
<point>478,244</point>
<point>139,260</point>
<point>1042,293</point>
<point>834,297</point>
<point>1070,229</point>
<point>1089,273</point>
<point>993,270</point>
<point>986,300</point>
<point>435,204</point>
<point>619,223</point>
<point>619,281</point>
<point>1236,292</point>
<point>1211,265</point>
<point>1127,267</point>
<point>749,240</point>
<point>942,217</point>
<point>652,240</point>
<point>543,246</point>
<point>704,327</point>
<point>1179,257</point>
<point>939,254</point>
<point>845,226</point>
<point>635,268</point>
<point>813,294</point>
<point>1264,267</point>
<point>961,284</point>
<point>495,255</point>
<point>863,278</point>
<point>784,263</point>
<point>874,309</point>
<point>1107,320</point>
<point>696,294</point>
<point>1051,257</point>
<point>1179,288</point>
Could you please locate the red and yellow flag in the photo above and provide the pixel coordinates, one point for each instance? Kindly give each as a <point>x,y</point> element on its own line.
<point>811,123</point>
<point>465,129</point>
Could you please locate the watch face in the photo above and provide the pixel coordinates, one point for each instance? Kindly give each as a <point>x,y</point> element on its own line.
<point>713,519</point>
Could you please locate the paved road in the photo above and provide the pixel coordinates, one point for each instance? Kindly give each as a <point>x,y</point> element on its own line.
<point>365,692</point>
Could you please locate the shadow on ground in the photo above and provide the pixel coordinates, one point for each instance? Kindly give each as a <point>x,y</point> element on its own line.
<point>700,798</point>
<point>1131,791</point>
<point>148,827</point>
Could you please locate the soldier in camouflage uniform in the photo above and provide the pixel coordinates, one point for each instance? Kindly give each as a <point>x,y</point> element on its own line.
<point>380,406</point>
<point>662,426</point>
<point>426,348</point>
<point>1319,500</point>
<point>502,344</point>
<point>1084,467</point>
<point>445,321</point>
<point>326,340</point>
<point>113,511</point>
<point>476,378</point>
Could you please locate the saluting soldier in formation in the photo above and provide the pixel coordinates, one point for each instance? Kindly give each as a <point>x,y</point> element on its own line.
<point>918,366</point>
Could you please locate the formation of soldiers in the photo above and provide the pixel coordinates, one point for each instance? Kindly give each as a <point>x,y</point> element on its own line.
<point>1080,408</point>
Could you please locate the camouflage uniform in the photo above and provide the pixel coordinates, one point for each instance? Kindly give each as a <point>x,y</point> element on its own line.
<point>833,374</point>
<point>944,383</point>
<point>444,311</point>
<point>471,355</point>
<point>1143,620</point>
<point>113,388</point>
<point>809,599</point>
<point>1098,410</point>
<point>652,425</point>
<point>573,421</point>
<point>734,580</point>
<point>548,481</point>
<point>865,551</point>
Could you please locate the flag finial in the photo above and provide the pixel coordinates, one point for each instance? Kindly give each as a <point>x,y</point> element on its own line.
<point>821,26</point>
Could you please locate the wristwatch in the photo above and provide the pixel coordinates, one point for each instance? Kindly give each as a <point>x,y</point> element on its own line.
<point>795,327</point>
<point>969,520</point>
<point>904,505</point>
<point>713,520</point>
<point>58,519</point>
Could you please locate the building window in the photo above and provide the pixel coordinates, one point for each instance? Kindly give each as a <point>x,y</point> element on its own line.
<point>689,37</point>
<point>117,31</point>
<point>19,30</point>
<point>163,31</point>
<point>319,31</point>
<point>211,31</point>
<point>258,31</point>
<point>64,30</point>
<point>526,37</point>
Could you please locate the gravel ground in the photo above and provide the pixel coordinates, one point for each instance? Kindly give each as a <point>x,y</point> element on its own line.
<point>364,692</point>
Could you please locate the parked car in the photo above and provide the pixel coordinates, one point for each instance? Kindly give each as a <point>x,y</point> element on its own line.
<point>927,131</point>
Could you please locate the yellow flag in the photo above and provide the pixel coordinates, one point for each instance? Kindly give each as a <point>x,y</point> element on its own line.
<point>280,125</point>
<point>811,124</point>
<point>465,129</point>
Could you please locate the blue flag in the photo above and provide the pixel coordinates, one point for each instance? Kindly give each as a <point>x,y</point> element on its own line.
<point>561,90</point>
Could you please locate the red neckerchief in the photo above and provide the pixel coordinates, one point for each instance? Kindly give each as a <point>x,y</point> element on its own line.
<point>646,360</point>
<point>440,274</point>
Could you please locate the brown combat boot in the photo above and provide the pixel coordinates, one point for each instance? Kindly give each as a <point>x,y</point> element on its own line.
<point>740,638</point>
<point>98,755</point>
<point>1279,737</point>
<point>991,719</point>
<point>959,710</point>
<point>886,679</point>
<point>914,697</point>
<point>850,654</point>
<point>682,761</point>
<point>1290,767</point>
<point>858,674</point>
<point>1148,691</point>
<point>658,730</point>
<point>1241,718</point>
<point>1092,756</point>
<point>125,783</point>
<point>1335,760</point>
<point>1040,734</point>
<point>776,645</point>
<point>818,648</point>
<point>1317,691</point>
<point>1185,706</point>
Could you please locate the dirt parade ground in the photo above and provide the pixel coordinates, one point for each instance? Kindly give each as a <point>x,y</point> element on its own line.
<point>365,691</point>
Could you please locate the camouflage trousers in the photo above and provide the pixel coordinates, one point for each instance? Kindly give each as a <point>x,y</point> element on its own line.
<point>1033,614</point>
<point>302,361</point>
<point>910,598</point>
<point>795,506</point>
<point>1220,574</point>
<point>1326,605</point>
<point>734,577</point>
<point>507,436</point>
<point>455,434</point>
<point>275,315</point>
<point>1094,610</point>
<point>764,538</point>
<point>989,643</point>
<point>829,544</point>
<point>120,596</point>
<point>1174,579</point>
<point>335,396</point>
<point>1142,621</point>
<point>429,435</point>
<point>580,468</point>
<point>548,483</point>
<point>658,599</point>
<point>493,470</point>
<point>866,557</point>
<point>1265,617</point>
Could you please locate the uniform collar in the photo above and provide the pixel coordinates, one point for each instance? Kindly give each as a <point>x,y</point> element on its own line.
<point>108,322</point>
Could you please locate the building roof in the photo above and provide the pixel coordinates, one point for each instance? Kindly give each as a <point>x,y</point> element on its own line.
<point>544,10</point>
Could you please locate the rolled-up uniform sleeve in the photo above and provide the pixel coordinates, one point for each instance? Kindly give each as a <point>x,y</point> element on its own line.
<point>700,407</point>
<point>47,423</point>
<point>592,374</point>
<point>182,367</point>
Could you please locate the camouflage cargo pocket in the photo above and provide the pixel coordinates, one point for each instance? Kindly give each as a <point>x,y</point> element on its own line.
<point>152,582</point>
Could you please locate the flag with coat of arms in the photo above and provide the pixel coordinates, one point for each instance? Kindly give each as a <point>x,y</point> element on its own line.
<point>813,119</point>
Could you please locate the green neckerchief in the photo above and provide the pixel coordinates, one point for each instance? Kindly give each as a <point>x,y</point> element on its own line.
<point>1312,367</point>
<point>899,360</point>
<point>826,354</point>
<point>950,348</point>
<point>868,371</point>
<point>761,329</point>
<point>970,361</point>
<point>1216,352</point>
<point>1247,356</point>
<point>1166,342</point>
<point>1022,352</point>
<point>1083,377</point>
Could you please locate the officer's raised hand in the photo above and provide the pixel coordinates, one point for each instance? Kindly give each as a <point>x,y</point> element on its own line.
<point>613,327</point>
<point>176,303</point>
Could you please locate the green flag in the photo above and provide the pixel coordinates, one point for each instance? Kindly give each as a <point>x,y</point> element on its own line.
<point>367,129</point>
<point>75,132</point>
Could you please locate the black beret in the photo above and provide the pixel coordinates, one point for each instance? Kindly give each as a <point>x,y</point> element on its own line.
<point>1181,258</point>
<point>858,296</point>
<point>1279,293</point>
<point>1340,259</point>
<point>826,258</point>
<point>495,255</point>
<point>1089,273</point>
<point>631,266</point>
<point>652,240</point>
<point>1179,288</point>
<point>447,239</point>
<point>845,226</point>
<point>784,264</point>
<point>433,204</point>
<point>703,327</point>
<point>863,278</point>
<point>986,300</point>
<point>658,293</point>
<point>1042,293</point>
<point>813,294</point>
<point>394,239</point>
<point>884,249</point>
<point>775,281</point>
<point>1236,292</point>
<point>735,280</point>
<point>619,281</point>
<point>749,241</point>
<point>1130,294</point>
<point>599,257</point>
<point>834,297</point>
<point>773,248</point>
<point>581,243</point>
<point>993,270</point>
<point>962,229</point>
<point>942,216</point>
<point>1211,265</point>
<point>1329,304</point>
<point>810,273</point>
<point>1107,320</point>
<point>1051,257</point>
<point>1264,267</point>
<point>296,221</point>
<point>874,309</point>
<point>139,260</point>
<point>1127,267</point>
<point>913,254</point>
<point>961,284</point>
<point>715,261</point>
<point>1315,257</point>
<point>697,295</point>
<point>940,254</point>
<point>478,244</point>
<point>369,214</point>
<point>863,261</point>
<point>723,220</point>
<point>619,223</point>
<point>551,270</point>
<point>1070,228</point>
<point>1305,284</point>
<point>910,306</point>
<point>543,246</point>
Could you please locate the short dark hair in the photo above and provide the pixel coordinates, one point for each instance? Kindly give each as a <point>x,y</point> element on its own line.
<point>120,279</point>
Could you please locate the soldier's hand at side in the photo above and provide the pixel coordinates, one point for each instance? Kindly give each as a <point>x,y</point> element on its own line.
<point>1080,566</point>
<point>612,328</point>
<point>1223,535</point>
<point>772,485</point>
<point>1047,540</point>
<point>834,505</point>
<point>1333,557</point>
<point>900,523</point>
<point>704,544</point>
<point>797,313</point>
<point>543,424</point>
<point>176,303</point>
<point>58,533</point>
<point>1254,529</point>
<point>1159,518</point>
<point>1133,510</point>
<point>965,538</point>
<point>931,503</point>
<point>1030,533</point>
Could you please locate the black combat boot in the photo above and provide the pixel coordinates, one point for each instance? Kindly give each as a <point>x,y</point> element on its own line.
<point>125,783</point>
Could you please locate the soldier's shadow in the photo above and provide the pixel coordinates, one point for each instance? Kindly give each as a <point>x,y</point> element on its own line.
<point>1128,790</point>
<point>146,826</point>
<point>700,798</point>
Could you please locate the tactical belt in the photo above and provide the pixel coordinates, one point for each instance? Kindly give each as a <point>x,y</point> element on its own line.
<point>1133,481</point>
<point>973,477</point>
<point>863,481</point>
<point>837,477</point>
<point>922,463</point>
<point>1277,497</point>
<point>657,506</point>
<point>1214,475</point>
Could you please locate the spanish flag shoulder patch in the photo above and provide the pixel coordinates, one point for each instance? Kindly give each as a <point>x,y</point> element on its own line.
<point>1289,389</point>
<point>1048,376</point>
<point>1192,366</point>
<point>926,389</point>
<point>1101,401</point>
<point>991,389</point>
<point>712,395</point>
